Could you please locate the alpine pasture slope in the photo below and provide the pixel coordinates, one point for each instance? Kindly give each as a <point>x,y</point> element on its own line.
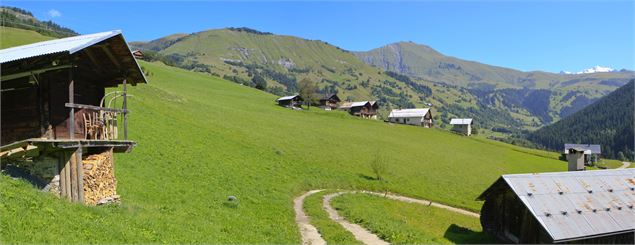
<point>201,139</point>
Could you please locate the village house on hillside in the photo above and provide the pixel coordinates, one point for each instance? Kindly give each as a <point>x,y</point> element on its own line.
<point>329,102</point>
<point>58,123</point>
<point>591,153</point>
<point>593,207</point>
<point>364,109</point>
<point>462,125</point>
<point>418,117</point>
<point>291,101</point>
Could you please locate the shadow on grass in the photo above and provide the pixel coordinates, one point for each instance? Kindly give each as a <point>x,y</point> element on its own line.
<point>461,235</point>
<point>367,177</point>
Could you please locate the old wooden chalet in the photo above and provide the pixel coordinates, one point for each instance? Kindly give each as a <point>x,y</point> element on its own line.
<point>462,125</point>
<point>330,102</point>
<point>58,117</point>
<point>291,101</point>
<point>592,207</point>
<point>417,117</point>
<point>364,109</point>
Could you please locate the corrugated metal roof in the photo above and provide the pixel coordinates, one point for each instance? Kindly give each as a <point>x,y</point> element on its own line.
<point>595,149</point>
<point>461,121</point>
<point>574,205</point>
<point>69,45</point>
<point>359,103</point>
<point>290,97</point>
<point>409,113</point>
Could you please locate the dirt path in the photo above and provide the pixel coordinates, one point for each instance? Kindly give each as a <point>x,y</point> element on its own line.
<point>625,165</point>
<point>424,202</point>
<point>308,232</point>
<point>359,232</point>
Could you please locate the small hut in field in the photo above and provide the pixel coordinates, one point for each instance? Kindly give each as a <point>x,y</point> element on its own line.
<point>329,102</point>
<point>59,123</point>
<point>364,109</point>
<point>584,207</point>
<point>291,101</point>
<point>462,125</point>
<point>417,117</point>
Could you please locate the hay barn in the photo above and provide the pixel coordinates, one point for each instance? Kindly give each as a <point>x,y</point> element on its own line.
<point>60,126</point>
<point>592,207</point>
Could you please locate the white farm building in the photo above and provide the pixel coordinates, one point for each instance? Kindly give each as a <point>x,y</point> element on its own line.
<point>462,125</point>
<point>417,117</point>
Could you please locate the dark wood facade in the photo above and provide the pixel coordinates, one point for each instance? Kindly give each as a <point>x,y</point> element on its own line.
<point>290,101</point>
<point>330,102</point>
<point>367,110</point>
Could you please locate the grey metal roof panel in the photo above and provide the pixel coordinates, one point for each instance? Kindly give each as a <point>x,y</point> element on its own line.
<point>561,201</point>
<point>461,121</point>
<point>401,113</point>
<point>69,45</point>
<point>595,149</point>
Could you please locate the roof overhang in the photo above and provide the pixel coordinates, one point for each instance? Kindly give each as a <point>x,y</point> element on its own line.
<point>20,61</point>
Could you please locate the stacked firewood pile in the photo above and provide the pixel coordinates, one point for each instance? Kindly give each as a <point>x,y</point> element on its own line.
<point>99,178</point>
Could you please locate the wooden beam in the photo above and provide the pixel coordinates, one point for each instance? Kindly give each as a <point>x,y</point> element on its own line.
<point>80,175</point>
<point>61,164</point>
<point>92,107</point>
<point>91,57</point>
<point>67,175</point>
<point>111,57</point>
<point>31,73</point>
<point>73,170</point>
<point>125,113</point>
<point>71,100</point>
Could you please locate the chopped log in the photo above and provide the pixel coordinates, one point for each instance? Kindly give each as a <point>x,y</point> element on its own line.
<point>99,178</point>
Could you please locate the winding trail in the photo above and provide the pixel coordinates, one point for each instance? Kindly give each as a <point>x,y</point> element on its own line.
<point>310,234</point>
<point>625,165</point>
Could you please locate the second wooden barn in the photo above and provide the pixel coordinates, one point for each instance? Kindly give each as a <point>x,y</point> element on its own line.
<point>564,207</point>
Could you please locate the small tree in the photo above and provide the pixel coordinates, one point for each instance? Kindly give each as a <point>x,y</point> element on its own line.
<point>379,167</point>
<point>259,82</point>
<point>308,91</point>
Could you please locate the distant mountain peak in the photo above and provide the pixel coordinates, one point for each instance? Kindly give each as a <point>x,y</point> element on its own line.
<point>595,69</point>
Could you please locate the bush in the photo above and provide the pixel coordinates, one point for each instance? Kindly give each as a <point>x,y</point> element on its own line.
<point>379,167</point>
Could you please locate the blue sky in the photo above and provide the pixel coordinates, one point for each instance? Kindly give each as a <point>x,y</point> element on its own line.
<point>539,35</point>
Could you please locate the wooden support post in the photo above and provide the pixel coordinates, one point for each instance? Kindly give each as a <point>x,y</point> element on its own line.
<point>125,111</point>
<point>73,170</point>
<point>67,175</point>
<point>80,175</point>
<point>71,99</point>
<point>61,164</point>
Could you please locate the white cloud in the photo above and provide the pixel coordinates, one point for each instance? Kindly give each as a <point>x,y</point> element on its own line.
<point>54,13</point>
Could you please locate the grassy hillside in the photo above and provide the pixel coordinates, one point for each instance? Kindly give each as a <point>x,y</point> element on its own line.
<point>534,98</point>
<point>23,19</point>
<point>10,37</point>
<point>201,139</point>
<point>240,54</point>
<point>608,122</point>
